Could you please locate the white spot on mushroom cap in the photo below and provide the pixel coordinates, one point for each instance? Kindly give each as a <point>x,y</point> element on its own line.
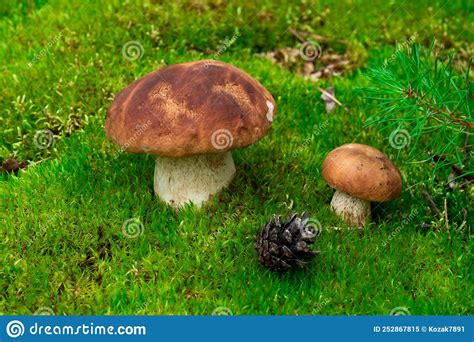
<point>270,107</point>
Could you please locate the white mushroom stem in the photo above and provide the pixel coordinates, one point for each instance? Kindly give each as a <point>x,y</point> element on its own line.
<point>192,179</point>
<point>353,210</point>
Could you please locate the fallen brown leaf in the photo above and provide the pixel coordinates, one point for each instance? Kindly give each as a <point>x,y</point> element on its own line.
<point>12,166</point>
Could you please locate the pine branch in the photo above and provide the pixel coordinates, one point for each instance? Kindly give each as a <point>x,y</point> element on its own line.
<point>420,94</point>
<point>431,110</point>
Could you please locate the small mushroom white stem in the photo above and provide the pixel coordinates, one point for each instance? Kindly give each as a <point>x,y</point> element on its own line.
<point>353,210</point>
<point>192,179</point>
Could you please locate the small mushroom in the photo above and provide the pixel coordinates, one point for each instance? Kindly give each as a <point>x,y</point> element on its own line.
<point>360,174</point>
<point>190,116</point>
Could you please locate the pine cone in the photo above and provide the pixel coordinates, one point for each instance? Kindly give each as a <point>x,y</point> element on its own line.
<point>283,246</point>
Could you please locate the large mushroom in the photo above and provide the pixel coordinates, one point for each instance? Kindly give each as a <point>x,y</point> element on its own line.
<point>191,116</point>
<point>360,174</point>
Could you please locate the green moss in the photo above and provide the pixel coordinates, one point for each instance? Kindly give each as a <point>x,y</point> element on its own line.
<point>62,241</point>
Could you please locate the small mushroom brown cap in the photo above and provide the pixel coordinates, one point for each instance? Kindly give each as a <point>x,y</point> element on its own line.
<point>188,109</point>
<point>362,171</point>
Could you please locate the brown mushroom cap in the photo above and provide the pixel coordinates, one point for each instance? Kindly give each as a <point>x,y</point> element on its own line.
<point>191,108</point>
<point>362,171</point>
